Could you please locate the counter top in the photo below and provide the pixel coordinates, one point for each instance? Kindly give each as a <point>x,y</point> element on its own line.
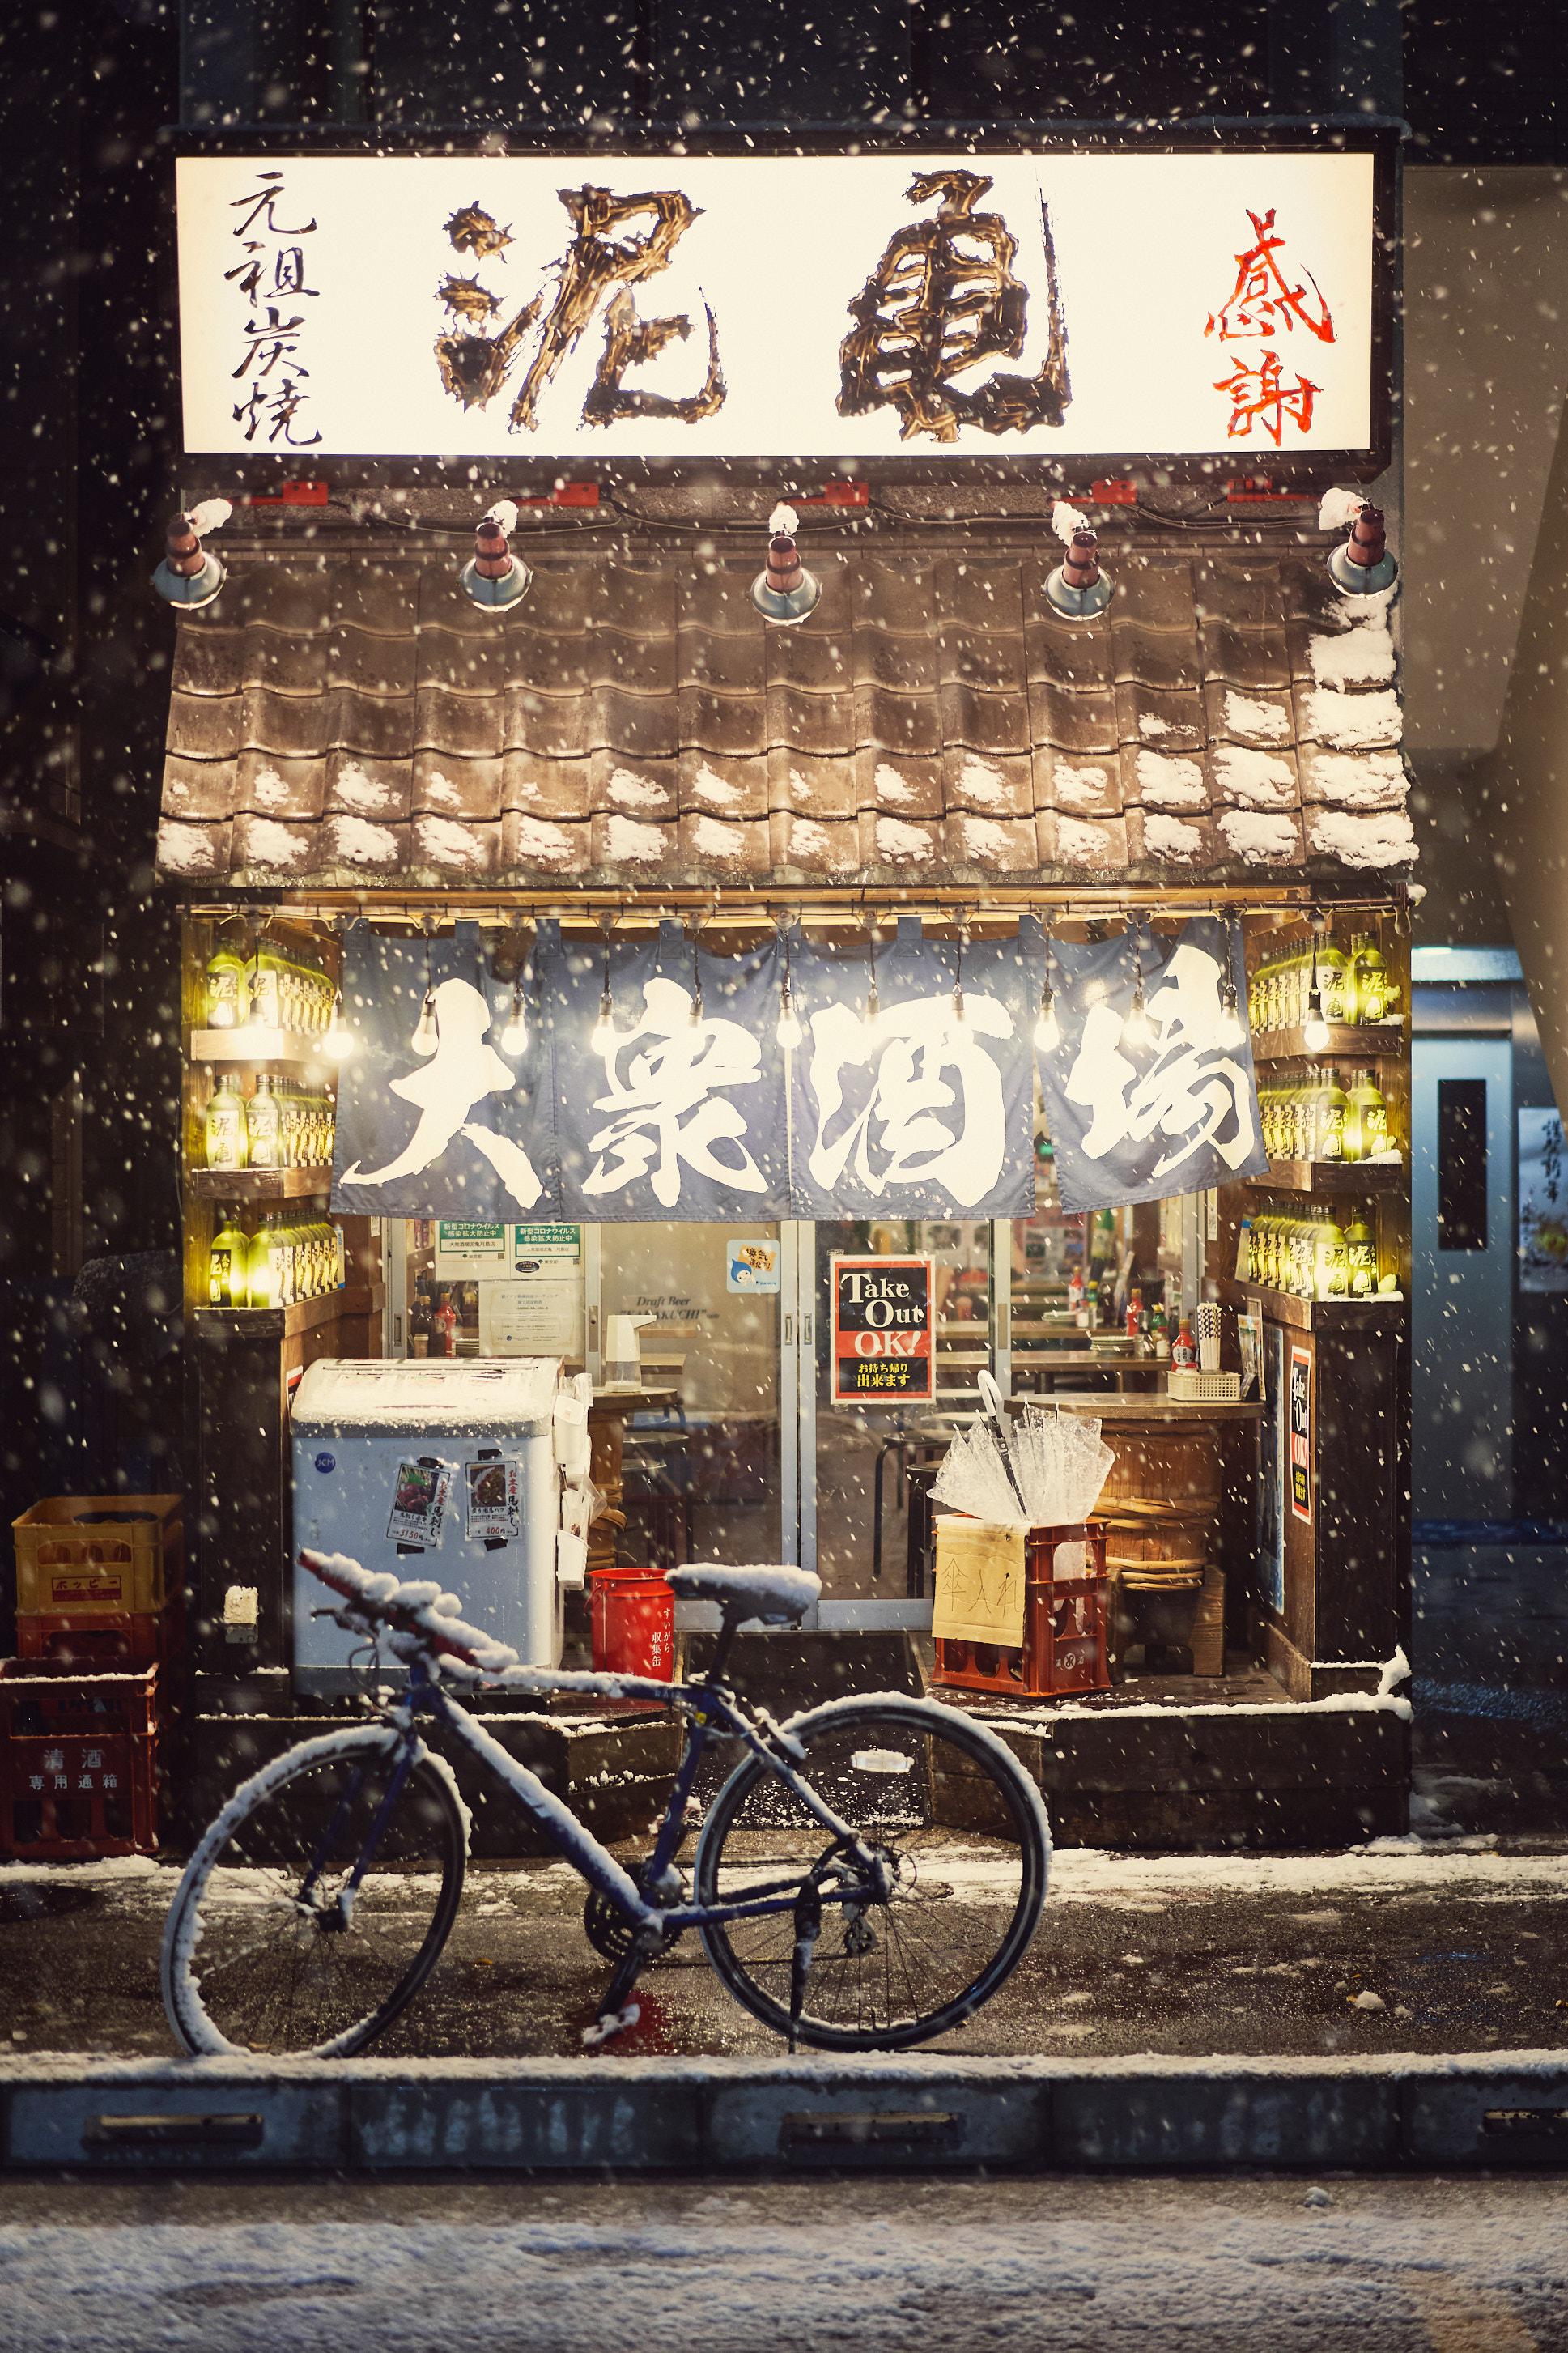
<point>1112,1406</point>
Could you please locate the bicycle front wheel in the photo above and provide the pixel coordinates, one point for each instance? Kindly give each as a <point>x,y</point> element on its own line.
<point>965,1848</point>
<point>271,1946</point>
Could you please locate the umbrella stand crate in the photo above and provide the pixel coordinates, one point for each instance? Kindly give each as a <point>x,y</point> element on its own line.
<point>1064,1650</point>
<point>78,1763</point>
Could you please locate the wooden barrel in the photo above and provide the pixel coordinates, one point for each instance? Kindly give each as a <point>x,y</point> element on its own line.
<point>1180,1468</point>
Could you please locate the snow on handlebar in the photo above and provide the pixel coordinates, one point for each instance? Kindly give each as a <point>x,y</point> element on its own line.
<point>417,1617</point>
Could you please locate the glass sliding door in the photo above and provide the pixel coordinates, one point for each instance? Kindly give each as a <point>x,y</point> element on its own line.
<point>709,1458</point>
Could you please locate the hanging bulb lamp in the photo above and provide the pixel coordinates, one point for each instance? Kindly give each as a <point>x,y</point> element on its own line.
<point>601,1037</point>
<point>339,1041</point>
<point>789,1031</point>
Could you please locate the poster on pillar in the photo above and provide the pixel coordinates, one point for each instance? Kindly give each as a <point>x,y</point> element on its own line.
<point>434,1118</point>
<point>669,1085</point>
<point>1145,1102</point>
<point>927,1111</point>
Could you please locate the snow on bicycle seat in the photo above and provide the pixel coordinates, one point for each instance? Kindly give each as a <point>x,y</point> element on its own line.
<point>777,1596</point>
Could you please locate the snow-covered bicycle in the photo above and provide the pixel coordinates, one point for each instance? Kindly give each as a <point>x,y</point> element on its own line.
<point>318,1903</point>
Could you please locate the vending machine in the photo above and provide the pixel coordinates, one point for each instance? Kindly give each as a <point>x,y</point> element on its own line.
<point>442,1469</point>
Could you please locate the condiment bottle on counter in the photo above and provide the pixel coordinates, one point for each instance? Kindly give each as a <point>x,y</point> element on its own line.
<point>1134,1313</point>
<point>444,1333</point>
<point>228,1129</point>
<point>1158,1330</point>
<point>1184,1354</point>
<point>1075,1292</point>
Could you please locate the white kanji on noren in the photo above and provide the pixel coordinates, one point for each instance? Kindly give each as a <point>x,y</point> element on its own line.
<point>666,1084</point>
<point>462,1073</point>
<point>936,1112</point>
<point>1194,1092</point>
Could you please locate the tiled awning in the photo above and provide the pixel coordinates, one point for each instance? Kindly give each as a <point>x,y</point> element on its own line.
<point>348,720</point>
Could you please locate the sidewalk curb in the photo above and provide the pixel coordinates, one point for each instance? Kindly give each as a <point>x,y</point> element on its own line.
<point>1500,2110</point>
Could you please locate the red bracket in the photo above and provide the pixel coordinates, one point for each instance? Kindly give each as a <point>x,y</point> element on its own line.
<point>1113,494</point>
<point>835,494</point>
<point>1257,491</point>
<point>292,494</point>
<point>565,495</point>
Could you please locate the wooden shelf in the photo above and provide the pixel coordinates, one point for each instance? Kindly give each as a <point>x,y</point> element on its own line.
<point>1323,1314</point>
<point>282,1322</point>
<point>238,1185</point>
<point>250,1046</point>
<point>1385,1039</point>
<point>1333,1176</point>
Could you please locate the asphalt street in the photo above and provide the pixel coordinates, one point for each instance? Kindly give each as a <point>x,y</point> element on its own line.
<point>1392,1949</point>
<point>1419,2264</point>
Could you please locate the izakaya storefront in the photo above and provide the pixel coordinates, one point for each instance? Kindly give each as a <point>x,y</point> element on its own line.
<point>788,977</point>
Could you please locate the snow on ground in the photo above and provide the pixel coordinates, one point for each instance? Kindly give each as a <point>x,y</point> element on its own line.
<point>791,2268</point>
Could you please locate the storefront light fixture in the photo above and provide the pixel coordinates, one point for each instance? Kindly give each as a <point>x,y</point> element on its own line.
<point>339,1041</point>
<point>601,1037</point>
<point>1138,1030</point>
<point>493,576</point>
<point>1315,1029</point>
<point>1361,565</point>
<point>696,987</point>
<point>873,1015</point>
<point>958,1012</point>
<point>1047,1028</point>
<point>789,1031</point>
<point>190,574</point>
<point>514,1037</point>
<point>784,591</point>
<point>1078,588</point>
<point>1230,1032</point>
<point>426,1035</point>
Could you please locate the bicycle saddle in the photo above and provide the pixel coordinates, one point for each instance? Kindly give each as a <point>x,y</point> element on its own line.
<point>776,1597</point>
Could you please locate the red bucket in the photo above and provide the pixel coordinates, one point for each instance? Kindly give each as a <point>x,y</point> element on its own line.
<point>633,1622</point>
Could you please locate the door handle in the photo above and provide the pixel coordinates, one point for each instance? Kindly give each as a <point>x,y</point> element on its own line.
<point>807,1332</point>
<point>789,1331</point>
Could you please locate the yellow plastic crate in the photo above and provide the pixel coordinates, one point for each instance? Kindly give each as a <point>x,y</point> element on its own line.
<point>84,1555</point>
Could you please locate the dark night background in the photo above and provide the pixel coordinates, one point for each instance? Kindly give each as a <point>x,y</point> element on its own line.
<point>94,93</point>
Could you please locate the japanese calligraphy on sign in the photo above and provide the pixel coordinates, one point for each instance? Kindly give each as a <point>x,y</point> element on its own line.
<point>1271,301</point>
<point>272,275</point>
<point>840,307</point>
<point>1542,1201</point>
<point>1140,1118</point>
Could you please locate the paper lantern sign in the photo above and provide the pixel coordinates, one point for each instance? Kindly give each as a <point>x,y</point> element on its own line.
<point>1140,1110</point>
<point>883,1347</point>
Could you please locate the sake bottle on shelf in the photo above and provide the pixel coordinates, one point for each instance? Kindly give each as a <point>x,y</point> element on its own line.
<point>1330,1111</point>
<point>266,1124</point>
<point>225,989</point>
<point>228,1135</point>
<point>1333,980</point>
<point>263,1270</point>
<point>1368,980</point>
<point>1366,1120</point>
<point>228,1264</point>
<point>1330,1271</point>
<point>1360,1258</point>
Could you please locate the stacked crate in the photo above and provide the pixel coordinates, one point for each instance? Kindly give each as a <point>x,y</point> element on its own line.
<point>100,1641</point>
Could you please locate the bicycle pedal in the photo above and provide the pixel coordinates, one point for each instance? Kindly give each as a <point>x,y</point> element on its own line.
<point>609,2023</point>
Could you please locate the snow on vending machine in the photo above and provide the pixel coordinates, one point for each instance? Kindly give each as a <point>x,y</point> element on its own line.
<point>443,1468</point>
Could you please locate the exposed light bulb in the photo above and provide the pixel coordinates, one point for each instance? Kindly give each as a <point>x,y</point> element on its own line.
<point>1228,1032</point>
<point>339,1041</point>
<point>601,1037</point>
<point>873,1015</point>
<point>958,1012</point>
<point>1047,1028</point>
<point>790,1032</point>
<point>697,1009</point>
<point>514,1037</point>
<point>1137,1030</point>
<point>1315,1029</point>
<point>426,1037</point>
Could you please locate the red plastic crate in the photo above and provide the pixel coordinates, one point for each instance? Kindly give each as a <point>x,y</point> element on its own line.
<point>78,1763</point>
<point>1065,1620</point>
<point>113,1640</point>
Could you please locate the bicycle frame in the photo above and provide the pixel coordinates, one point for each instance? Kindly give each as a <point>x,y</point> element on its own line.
<point>710,1708</point>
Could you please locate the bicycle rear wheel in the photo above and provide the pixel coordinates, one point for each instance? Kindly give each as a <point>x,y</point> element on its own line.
<point>261,1950</point>
<point>964,1838</point>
